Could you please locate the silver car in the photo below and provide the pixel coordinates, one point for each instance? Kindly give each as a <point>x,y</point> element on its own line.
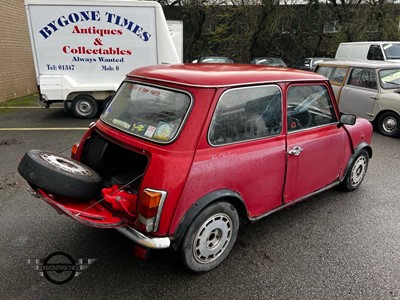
<point>369,89</point>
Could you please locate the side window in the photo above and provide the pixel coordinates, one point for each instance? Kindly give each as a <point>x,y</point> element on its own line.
<point>355,77</point>
<point>365,78</point>
<point>334,74</point>
<point>338,75</point>
<point>368,79</point>
<point>309,106</point>
<point>375,53</point>
<point>325,71</point>
<point>245,114</point>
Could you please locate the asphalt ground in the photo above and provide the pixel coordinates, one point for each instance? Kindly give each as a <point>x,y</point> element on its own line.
<point>334,245</point>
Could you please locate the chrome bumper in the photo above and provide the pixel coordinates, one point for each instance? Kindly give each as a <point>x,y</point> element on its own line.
<point>141,239</point>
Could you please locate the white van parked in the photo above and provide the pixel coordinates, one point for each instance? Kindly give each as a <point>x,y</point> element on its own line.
<point>389,51</point>
<point>83,49</point>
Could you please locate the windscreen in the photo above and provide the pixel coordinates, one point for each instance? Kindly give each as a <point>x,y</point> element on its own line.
<point>390,79</point>
<point>146,111</point>
<point>392,51</point>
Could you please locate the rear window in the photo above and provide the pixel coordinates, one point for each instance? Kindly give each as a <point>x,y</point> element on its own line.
<point>149,112</point>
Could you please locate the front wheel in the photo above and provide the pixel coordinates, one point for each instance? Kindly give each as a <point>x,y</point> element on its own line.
<point>389,124</point>
<point>210,237</point>
<point>356,173</point>
<point>84,106</point>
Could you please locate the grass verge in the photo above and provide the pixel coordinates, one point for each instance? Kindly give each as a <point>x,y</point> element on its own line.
<point>29,100</point>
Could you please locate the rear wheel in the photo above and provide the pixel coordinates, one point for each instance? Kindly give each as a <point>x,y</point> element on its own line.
<point>389,124</point>
<point>210,237</point>
<point>356,173</point>
<point>84,106</point>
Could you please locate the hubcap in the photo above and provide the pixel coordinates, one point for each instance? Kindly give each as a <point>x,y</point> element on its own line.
<point>65,164</point>
<point>212,238</point>
<point>389,124</point>
<point>358,171</point>
<point>85,107</point>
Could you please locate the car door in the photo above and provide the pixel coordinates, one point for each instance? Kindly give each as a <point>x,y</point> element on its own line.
<point>359,93</point>
<point>247,152</point>
<point>315,144</point>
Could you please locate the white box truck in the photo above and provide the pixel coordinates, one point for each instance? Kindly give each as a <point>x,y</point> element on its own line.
<point>83,49</point>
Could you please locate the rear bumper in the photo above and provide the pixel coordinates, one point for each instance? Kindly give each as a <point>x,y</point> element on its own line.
<point>96,215</point>
<point>143,240</point>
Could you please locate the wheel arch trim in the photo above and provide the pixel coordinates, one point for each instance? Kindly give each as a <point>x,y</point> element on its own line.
<point>357,150</point>
<point>229,196</point>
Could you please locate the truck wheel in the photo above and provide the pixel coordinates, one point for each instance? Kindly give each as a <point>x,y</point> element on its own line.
<point>84,106</point>
<point>210,237</point>
<point>389,124</point>
<point>59,175</point>
<point>356,173</point>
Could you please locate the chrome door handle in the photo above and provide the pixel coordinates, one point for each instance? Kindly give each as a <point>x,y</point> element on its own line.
<point>296,151</point>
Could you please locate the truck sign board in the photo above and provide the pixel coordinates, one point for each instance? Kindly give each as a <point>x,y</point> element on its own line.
<point>82,47</point>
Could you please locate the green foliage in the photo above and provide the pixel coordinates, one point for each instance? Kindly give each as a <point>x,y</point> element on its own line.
<point>242,30</point>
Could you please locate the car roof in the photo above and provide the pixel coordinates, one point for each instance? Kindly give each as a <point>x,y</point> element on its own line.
<point>361,63</point>
<point>219,75</point>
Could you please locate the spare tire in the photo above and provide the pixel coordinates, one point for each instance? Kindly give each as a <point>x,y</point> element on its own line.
<point>59,175</point>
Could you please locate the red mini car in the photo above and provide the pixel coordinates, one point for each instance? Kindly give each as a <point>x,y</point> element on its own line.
<point>185,153</point>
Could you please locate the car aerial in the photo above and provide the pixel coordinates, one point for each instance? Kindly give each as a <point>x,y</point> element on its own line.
<point>213,59</point>
<point>369,89</point>
<point>184,154</point>
<point>309,63</point>
<point>269,61</point>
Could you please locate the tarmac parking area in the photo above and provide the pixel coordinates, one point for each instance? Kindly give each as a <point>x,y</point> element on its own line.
<point>334,245</point>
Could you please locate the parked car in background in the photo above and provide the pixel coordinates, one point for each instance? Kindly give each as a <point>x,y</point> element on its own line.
<point>213,60</point>
<point>376,50</point>
<point>269,61</point>
<point>184,153</point>
<point>309,63</point>
<point>369,89</point>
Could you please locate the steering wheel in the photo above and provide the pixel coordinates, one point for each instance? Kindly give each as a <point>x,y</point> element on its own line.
<point>309,101</point>
<point>298,119</point>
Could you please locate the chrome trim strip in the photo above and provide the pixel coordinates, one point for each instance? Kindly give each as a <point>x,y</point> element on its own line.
<point>143,240</point>
<point>329,186</point>
<point>238,84</point>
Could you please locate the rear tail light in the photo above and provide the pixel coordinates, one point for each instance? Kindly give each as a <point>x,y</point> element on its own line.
<point>149,209</point>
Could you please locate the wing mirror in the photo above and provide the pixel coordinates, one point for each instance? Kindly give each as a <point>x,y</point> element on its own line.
<point>348,119</point>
